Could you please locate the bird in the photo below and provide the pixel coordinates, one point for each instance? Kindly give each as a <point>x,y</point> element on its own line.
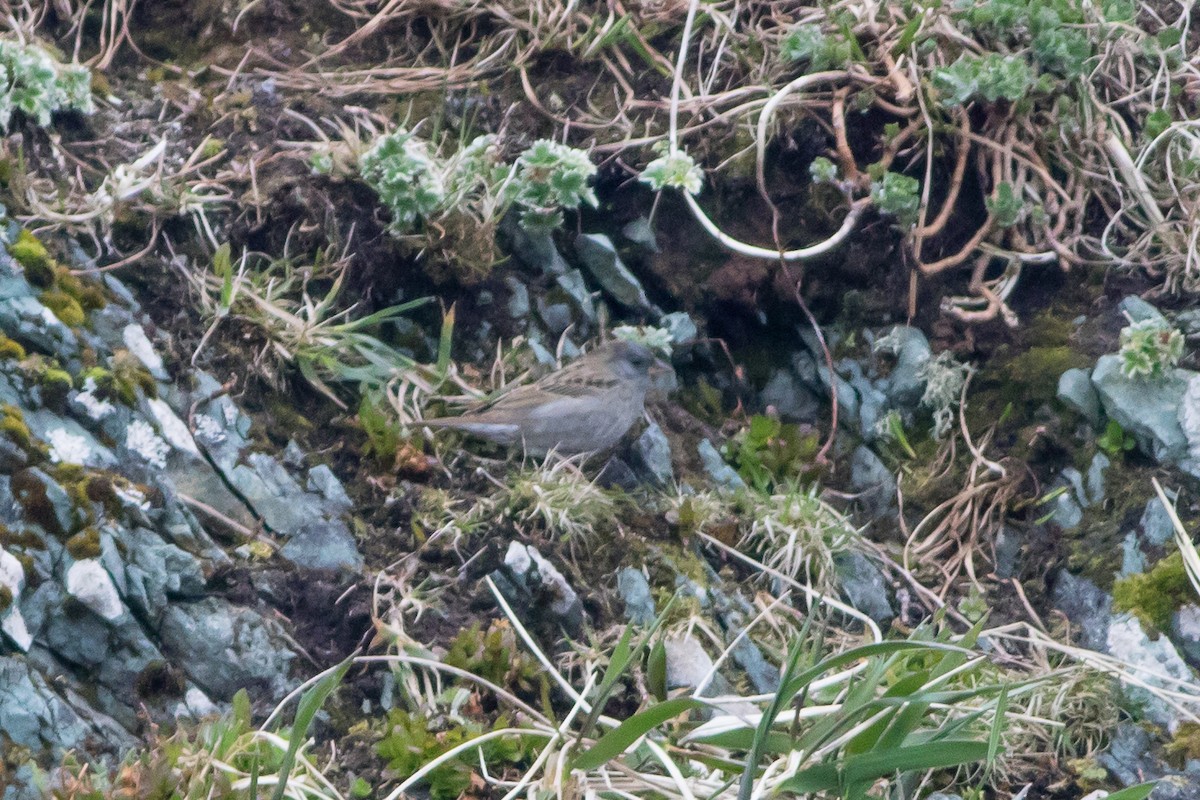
<point>587,406</point>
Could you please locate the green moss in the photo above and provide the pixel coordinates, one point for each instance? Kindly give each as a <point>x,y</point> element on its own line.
<point>12,424</point>
<point>1155,595</point>
<point>24,538</point>
<point>65,307</point>
<point>6,598</point>
<point>85,544</point>
<point>88,294</point>
<point>130,375</point>
<point>32,255</point>
<point>10,349</point>
<point>56,385</point>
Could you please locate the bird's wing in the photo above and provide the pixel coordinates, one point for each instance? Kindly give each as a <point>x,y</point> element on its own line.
<point>572,382</point>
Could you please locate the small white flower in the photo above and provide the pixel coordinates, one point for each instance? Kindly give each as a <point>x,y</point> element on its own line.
<point>68,448</point>
<point>209,429</point>
<point>141,439</point>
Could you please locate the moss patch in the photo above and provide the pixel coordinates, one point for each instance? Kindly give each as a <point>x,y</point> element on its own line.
<point>1155,595</point>
<point>65,307</point>
<point>11,350</point>
<point>32,255</point>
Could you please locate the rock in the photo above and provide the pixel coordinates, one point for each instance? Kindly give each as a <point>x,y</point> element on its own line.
<point>874,482</point>
<point>1095,478</point>
<point>680,326</point>
<point>1138,310</point>
<point>1189,422</point>
<point>906,383</point>
<point>154,572</point>
<point>535,249</point>
<point>652,456</point>
<point>536,588</point>
<point>724,475</point>
<point>864,586</point>
<point>12,622</point>
<point>635,591</point>
<point>141,347</point>
<point>322,481</point>
<point>90,584</point>
<point>576,289</point>
<point>1009,541</point>
<point>323,544</point>
<point>32,714</point>
<point>1155,524</point>
<point>1133,560</point>
<point>641,233</point>
<point>599,257</point>
<point>1066,511</point>
<point>25,319</point>
<point>1149,410</point>
<point>1086,605</point>
<point>1148,661</point>
<point>1133,756</point>
<point>1185,632</point>
<point>518,299</point>
<point>1076,391</point>
<point>790,397</point>
<point>223,648</point>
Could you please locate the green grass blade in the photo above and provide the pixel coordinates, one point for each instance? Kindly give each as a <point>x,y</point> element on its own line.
<point>613,743</point>
<point>306,711</point>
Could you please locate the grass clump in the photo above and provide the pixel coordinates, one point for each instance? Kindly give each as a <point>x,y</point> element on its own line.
<point>797,533</point>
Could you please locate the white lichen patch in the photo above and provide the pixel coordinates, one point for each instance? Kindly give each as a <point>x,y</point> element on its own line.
<point>131,496</point>
<point>90,584</point>
<point>142,348</point>
<point>142,440</point>
<point>173,428</point>
<point>68,448</point>
<point>209,429</point>
<point>93,406</point>
<point>12,577</point>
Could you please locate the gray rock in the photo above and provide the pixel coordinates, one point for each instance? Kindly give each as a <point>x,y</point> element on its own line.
<point>680,326</point>
<point>874,482</point>
<point>557,317</point>
<point>25,319</point>
<point>1156,526</point>
<point>1139,310</point>
<point>1095,478</point>
<point>1086,605</point>
<point>1067,513</point>
<point>153,572</point>
<point>724,475</point>
<point>1149,660</point>
<point>535,249</point>
<point>61,507</point>
<point>518,299</point>
<point>32,715</point>
<point>322,481</point>
<point>1076,391</point>
<point>635,592</point>
<point>1185,632</point>
<point>1009,542</point>
<point>864,586</point>
<point>537,589</point>
<point>223,648</point>
<point>789,396</point>
<point>323,544</point>
<point>573,284</point>
<point>1134,756</point>
<point>905,385</point>
<point>641,233</point>
<point>1146,409</point>
<point>1133,560</point>
<point>599,257</point>
<point>652,455</point>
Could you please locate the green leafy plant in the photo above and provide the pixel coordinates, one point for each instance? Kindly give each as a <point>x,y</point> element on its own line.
<point>989,77</point>
<point>808,43</point>
<point>548,178</point>
<point>767,452</point>
<point>412,740</point>
<point>37,85</point>
<point>675,170</point>
<point>1149,349</point>
<point>1115,440</point>
<point>898,195</point>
